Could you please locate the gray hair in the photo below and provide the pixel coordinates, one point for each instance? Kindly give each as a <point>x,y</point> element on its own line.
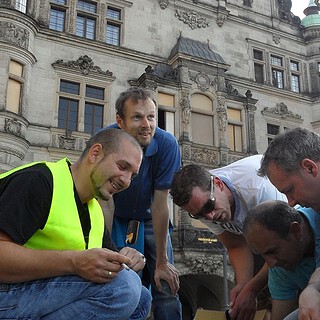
<point>288,149</point>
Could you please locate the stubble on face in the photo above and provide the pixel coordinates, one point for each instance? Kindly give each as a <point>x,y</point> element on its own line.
<point>139,120</point>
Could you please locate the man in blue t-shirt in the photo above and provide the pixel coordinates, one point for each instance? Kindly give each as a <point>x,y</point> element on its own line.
<point>288,239</point>
<point>141,213</point>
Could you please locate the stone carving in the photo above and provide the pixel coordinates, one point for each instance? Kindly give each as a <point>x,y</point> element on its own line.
<point>202,80</point>
<point>222,114</point>
<point>221,17</point>
<point>192,19</point>
<point>12,126</point>
<point>186,109</point>
<point>281,109</point>
<point>84,64</point>
<point>67,141</point>
<point>204,155</point>
<point>163,4</point>
<point>276,38</point>
<point>248,3</point>
<point>11,33</point>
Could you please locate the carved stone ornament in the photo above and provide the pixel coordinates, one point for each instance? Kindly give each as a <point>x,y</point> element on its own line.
<point>276,38</point>
<point>248,3</point>
<point>192,19</point>
<point>186,109</point>
<point>203,81</point>
<point>84,64</point>
<point>222,114</point>
<point>163,4</point>
<point>282,110</point>
<point>11,33</point>
<point>12,126</point>
<point>67,141</point>
<point>221,18</point>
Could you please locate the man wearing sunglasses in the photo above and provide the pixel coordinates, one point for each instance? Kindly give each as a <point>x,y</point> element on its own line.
<point>221,198</point>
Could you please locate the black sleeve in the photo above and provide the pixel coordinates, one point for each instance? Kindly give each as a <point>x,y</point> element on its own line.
<point>25,201</point>
<point>107,241</point>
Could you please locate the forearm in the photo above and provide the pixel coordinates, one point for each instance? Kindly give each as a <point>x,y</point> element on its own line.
<point>259,281</point>
<point>160,221</point>
<point>20,264</point>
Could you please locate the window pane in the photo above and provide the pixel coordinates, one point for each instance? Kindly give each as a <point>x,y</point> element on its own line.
<point>258,73</point>
<point>80,26</point>
<point>273,129</point>
<point>258,55</point>
<point>277,78</point>
<point>113,13</point>
<point>200,101</point>
<point>95,92</point>
<point>294,66</point>
<point>276,61</point>
<point>113,34</point>
<point>165,99</point>
<point>13,95</point>
<point>69,87</point>
<point>87,6</point>
<point>202,128</point>
<point>234,114</point>
<point>15,68</point>
<point>57,18</point>
<point>235,137</point>
<point>21,5</point>
<point>295,83</point>
<point>68,114</point>
<point>93,118</point>
<point>59,1</point>
<point>91,26</point>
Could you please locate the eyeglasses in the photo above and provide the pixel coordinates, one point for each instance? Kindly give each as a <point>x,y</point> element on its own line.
<point>208,206</point>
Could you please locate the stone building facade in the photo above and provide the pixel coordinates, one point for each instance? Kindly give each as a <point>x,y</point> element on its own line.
<point>227,76</point>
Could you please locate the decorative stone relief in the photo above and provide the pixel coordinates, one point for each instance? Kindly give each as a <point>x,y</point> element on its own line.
<point>11,33</point>
<point>282,110</point>
<point>12,126</point>
<point>67,141</point>
<point>276,38</point>
<point>305,73</point>
<point>84,64</point>
<point>203,81</point>
<point>222,114</point>
<point>204,264</point>
<point>186,110</point>
<point>163,4</point>
<point>204,155</point>
<point>192,19</point>
<point>221,17</point>
<point>248,3</point>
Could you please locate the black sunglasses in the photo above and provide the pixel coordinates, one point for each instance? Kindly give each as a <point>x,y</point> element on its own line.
<point>208,206</point>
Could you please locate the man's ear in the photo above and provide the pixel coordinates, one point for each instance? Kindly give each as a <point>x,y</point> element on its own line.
<point>95,152</point>
<point>296,231</point>
<point>309,166</point>
<point>218,183</point>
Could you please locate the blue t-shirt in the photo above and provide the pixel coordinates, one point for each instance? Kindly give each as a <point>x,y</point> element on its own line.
<point>161,159</point>
<point>284,284</point>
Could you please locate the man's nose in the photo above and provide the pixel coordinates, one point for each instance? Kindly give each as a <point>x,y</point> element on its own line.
<point>145,122</point>
<point>292,201</point>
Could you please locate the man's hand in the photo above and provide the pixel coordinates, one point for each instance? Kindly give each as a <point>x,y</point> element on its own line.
<point>167,272</point>
<point>137,258</point>
<point>98,265</point>
<point>243,304</point>
<point>309,304</point>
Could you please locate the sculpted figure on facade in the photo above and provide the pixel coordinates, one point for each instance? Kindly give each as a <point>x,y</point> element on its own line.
<point>222,114</point>
<point>186,110</point>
